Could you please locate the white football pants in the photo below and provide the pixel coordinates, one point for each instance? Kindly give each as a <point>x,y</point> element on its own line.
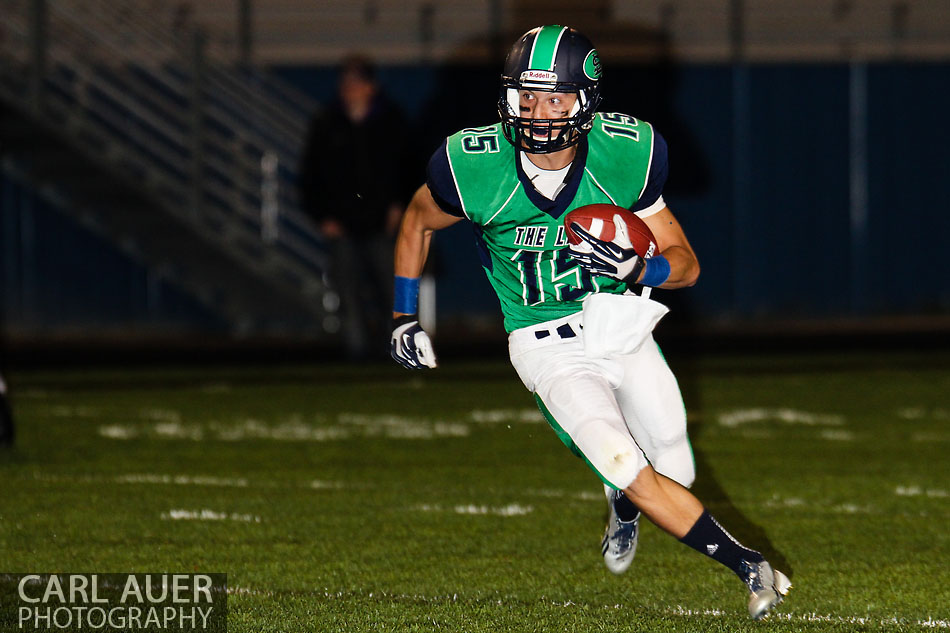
<point>619,412</point>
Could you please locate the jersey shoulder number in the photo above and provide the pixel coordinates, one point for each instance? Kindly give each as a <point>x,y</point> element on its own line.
<point>482,164</point>
<point>479,140</point>
<point>621,152</point>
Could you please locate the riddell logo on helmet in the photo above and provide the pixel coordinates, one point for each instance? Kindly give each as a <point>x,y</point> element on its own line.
<point>538,75</point>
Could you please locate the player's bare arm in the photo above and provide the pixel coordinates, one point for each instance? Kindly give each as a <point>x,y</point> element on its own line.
<point>422,218</point>
<point>672,243</point>
<point>410,345</point>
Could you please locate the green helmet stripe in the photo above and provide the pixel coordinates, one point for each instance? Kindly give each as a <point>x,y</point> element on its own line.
<point>544,49</point>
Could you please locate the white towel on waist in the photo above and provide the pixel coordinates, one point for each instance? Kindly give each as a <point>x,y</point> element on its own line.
<point>618,324</point>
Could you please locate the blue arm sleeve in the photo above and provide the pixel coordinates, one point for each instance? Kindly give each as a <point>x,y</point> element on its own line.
<point>441,183</point>
<point>656,179</point>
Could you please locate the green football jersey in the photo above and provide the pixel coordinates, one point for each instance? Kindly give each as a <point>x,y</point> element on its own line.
<point>521,233</point>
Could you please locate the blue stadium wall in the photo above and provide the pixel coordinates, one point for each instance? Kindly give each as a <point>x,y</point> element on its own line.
<point>808,191</point>
<point>765,163</point>
<point>60,280</point>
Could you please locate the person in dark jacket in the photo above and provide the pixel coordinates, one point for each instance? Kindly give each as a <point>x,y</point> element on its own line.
<point>354,185</point>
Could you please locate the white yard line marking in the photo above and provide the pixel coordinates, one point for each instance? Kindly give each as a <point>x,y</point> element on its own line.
<point>917,491</point>
<point>178,431</point>
<point>182,480</point>
<point>562,494</point>
<point>157,479</point>
<point>850,508</point>
<point>318,484</point>
<point>788,416</point>
<point>930,622</point>
<point>402,427</point>
<point>791,502</point>
<point>510,510</point>
<point>118,432</point>
<point>837,435</point>
<point>293,428</point>
<point>247,591</point>
<point>494,416</point>
<point>196,480</point>
<point>169,424</point>
<point>208,515</point>
<point>930,437</point>
<point>348,595</point>
<point>795,502</point>
<point>923,413</point>
<point>911,413</point>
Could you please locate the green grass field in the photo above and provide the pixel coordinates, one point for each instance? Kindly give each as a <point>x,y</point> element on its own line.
<point>377,499</point>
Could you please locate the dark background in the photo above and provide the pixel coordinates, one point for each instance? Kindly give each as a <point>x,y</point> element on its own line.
<point>763,161</point>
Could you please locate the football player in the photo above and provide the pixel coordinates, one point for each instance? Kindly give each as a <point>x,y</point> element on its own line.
<point>579,317</point>
<point>6,417</point>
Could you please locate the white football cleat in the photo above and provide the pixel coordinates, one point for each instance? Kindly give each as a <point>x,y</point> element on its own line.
<point>619,545</point>
<point>766,586</point>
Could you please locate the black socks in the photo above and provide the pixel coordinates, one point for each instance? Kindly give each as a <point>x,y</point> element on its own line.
<point>708,537</point>
<point>626,510</point>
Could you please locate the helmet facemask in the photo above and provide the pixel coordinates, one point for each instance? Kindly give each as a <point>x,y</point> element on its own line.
<point>550,59</point>
<point>544,136</point>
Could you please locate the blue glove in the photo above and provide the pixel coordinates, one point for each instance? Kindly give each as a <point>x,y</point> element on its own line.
<point>411,346</point>
<point>617,259</point>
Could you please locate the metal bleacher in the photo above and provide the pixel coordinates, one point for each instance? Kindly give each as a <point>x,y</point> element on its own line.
<point>477,31</point>
<point>134,125</point>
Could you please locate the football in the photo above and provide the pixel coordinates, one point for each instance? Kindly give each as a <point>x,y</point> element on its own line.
<point>598,220</point>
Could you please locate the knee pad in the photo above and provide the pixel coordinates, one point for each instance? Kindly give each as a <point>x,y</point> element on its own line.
<point>676,462</point>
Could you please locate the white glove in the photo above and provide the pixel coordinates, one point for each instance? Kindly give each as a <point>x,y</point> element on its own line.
<point>411,346</point>
<point>617,259</point>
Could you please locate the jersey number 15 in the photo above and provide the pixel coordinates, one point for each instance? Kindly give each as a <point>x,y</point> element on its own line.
<point>554,272</point>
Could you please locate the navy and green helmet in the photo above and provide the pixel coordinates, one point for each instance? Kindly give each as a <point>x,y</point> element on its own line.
<point>554,59</point>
